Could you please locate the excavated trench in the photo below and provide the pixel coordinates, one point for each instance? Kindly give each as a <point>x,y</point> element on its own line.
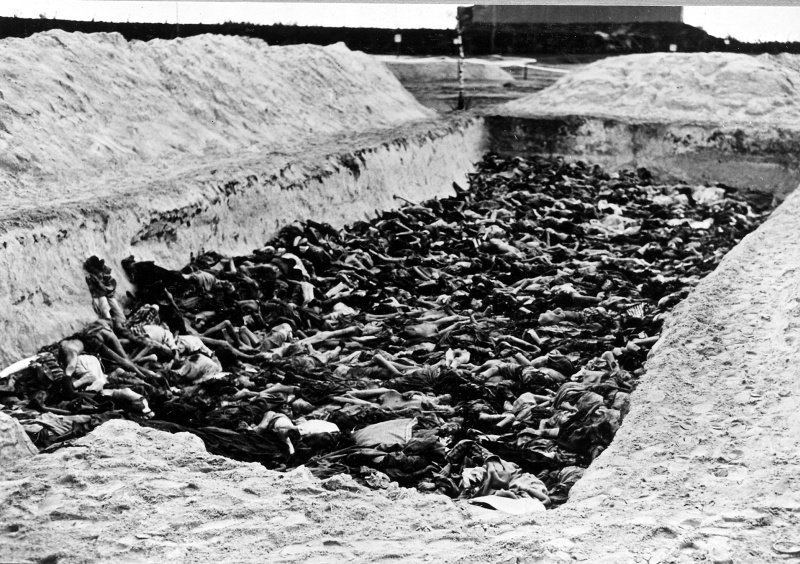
<point>232,213</point>
<point>658,490</point>
<point>235,209</point>
<point>449,311</point>
<point>232,208</point>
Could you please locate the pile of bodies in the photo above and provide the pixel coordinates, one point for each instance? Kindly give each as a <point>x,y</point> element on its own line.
<point>483,345</point>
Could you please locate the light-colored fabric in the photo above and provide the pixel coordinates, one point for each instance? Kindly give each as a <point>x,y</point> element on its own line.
<point>298,264</point>
<point>89,373</point>
<point>394,432</point>
<point>18,366</point>
<point>409,400</point>
<point>317,427</point>
<point>519,506</point>
<point>160,335</point>
<point>198,367</point>
<point>190,344</point>
<point>204,280</point>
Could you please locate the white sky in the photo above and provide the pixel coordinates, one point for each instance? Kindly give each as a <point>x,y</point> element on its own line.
<point>747,23</point>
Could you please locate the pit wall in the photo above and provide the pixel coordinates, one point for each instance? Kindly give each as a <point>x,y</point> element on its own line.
<point>703,470</point>
<point>758,157</point>
<point>233,208</point>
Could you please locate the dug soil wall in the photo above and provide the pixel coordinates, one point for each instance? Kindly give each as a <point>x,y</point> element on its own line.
<point>80,106</point>
<point>757,157</point>
<point>232,206</point>
<point>160,148</point>
<point>698,117</point>
<point>703,470</point>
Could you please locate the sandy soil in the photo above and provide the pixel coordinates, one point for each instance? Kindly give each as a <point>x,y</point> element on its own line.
<point>411,69</point>
<point>232,205</point>
<point>140,495</point>
<point>718,87</point>
<point>102,141</point>
<point>487,82</point>
<point>77,106</point>
<point>14,442</point>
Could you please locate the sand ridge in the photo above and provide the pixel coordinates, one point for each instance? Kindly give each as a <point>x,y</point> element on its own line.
<point>75,106</point>
<point>129,493</point>
<point>716,87</point>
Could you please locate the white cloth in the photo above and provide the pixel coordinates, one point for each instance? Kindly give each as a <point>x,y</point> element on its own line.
<point>519,506</point>
<point>199,367</point>
<point>89,373</point>
<point>393,432</point>
<point>190,344</point>
<point>160,335</point>
<point>316,427</point>
<point>204,280</point>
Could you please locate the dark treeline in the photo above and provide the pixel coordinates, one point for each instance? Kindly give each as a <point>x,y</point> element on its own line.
<point>479,39</point>
<point>369,40</point>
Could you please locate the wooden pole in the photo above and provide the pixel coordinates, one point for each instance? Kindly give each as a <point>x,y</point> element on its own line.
<point>494,29</point>
<point>461,101</point>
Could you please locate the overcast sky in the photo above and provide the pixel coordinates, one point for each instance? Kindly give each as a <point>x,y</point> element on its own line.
<point>747,23</point>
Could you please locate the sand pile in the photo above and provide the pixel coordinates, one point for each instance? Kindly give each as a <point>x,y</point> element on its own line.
<point>718,87</point>
<point>443,69</point>
<point>127,493</point>
<point>75,106</point>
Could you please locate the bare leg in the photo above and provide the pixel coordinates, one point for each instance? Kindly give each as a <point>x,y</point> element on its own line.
<point>112,342</point>
<point>227,330</point>
<point>248,337</point>
<point>220,344</point>
<point>126,363</point>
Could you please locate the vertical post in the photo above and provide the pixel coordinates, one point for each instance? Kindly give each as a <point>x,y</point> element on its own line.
<point>494,29</point>
<point>461,102</point>
<point>398,39</point>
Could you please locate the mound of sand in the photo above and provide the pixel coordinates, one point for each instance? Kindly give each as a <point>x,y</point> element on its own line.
<point>444,69</point>
<point>718,87</point>
<point>126,493</point>
<point>14,442</point>
<point>75,106</point>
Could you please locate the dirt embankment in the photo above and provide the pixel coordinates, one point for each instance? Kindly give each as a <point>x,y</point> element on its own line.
<point>158,149</point>
<point>704,469</point>
<point>128,493</point>
<point>77,108</point>
<point>717,87</point>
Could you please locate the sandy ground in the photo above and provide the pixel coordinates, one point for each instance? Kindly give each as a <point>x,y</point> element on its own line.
<point>718,87</point>
<point>487,82</point>
<point>75,106</point>
<point>704,469</point>
<point>138,495</point>
<point>410,69</point>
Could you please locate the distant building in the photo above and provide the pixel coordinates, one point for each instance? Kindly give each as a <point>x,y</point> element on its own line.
<point>561,14</point>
